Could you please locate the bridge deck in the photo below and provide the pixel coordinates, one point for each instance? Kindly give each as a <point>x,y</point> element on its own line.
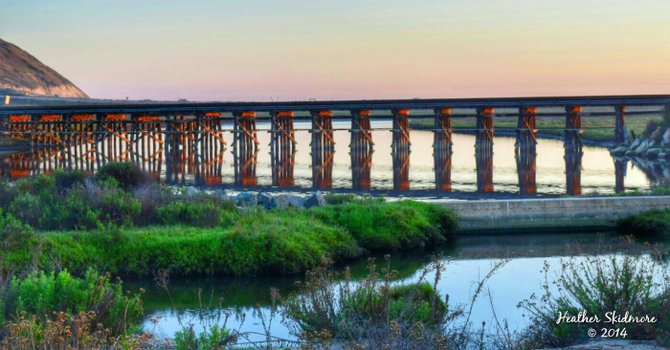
<point>416,104</point>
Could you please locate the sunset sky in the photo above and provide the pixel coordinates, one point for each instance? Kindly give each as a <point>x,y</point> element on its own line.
<point>341,49</point>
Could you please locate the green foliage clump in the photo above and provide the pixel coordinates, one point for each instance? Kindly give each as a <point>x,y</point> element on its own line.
<point>41,294</point>
<point>7,194</point>
<point>654,223</point>
<point>372,310</point>
<point>127,175</point>
<point>381,226</point>
<point>285,242</point>
<point>215,337</point>
<point>68,179</point>
<point>597,286</point>
<point>202,211</point>
<point>336,199</point>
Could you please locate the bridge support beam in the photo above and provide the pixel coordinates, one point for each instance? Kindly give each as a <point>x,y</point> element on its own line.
<point>245,148</point>
<point>442,149</point>
<point>147,142</point>
<point>573,125</point>
<point>443,130</point>
<point>81,141</point>
<point>323,149</point>
<point>401,149</point>
<point>620,125</point>
<point>573,150</point>
<point>113,137</point>
<point>527,125</point>
<point>361,133</point>
<point>282,148</point>
<point>484,150</point>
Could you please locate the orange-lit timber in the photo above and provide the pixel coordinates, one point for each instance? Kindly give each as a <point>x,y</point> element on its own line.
<point>245,127</point>
<point>80,137</point>
<point>442,126</point>
<point>484,149</point>
<point>19,126</point>
<point>401,149</point>
<point>573,150</point>
<point>361,131</point>
<point>191,133</point>
<point>525,150</point>
<point>442,148</point>
<point>485,121</point>
<point>147,142</point>
<point>573,126</point>
<point>361,166</point>
<point>114,137</point>
<point>282,148</point>
<point>48,130</point>
<point>245,147</point>
<point>82,117</point>
<point>212,115</point>
<point>322,149</point>
<point>115,117</point>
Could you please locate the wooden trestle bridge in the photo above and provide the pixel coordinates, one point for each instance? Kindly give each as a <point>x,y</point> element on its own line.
<point>189,137</point>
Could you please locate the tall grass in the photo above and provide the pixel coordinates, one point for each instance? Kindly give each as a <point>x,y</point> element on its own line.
<point>598,286</point>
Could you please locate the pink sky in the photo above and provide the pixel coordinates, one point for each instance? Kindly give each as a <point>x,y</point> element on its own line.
<point>295,50</point>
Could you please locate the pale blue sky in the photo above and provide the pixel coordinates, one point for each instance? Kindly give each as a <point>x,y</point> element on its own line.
<point>259,50</point>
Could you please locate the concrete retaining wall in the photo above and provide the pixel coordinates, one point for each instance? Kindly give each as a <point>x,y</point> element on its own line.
<point>550,214</point>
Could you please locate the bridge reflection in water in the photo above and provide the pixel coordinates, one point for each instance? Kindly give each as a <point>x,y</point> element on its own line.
<point>189,147</point>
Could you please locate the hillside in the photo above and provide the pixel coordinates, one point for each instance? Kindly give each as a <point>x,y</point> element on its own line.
<point>23,74</point>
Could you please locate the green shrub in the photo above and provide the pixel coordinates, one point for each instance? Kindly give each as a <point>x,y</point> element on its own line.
<point>654,223</point>
<point>28,208</point>
<point>598,285</point>
<point>41,294</point>
<point>13,233</point>
<point>112,204</point>
<point>215,337</point>
<point>7,194</point>
<point>67,179</point>
<point>380,226</point>
<point>372,310</point>
<point>151,197</point>
<point>285,242</point>
<point>41,185</point>
<point>335,199</point>
<point>127,175</point>
<point>203,211</point>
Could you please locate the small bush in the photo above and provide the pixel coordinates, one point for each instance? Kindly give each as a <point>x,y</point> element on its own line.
<point>335,199</point>
<point>127,175</point>
<point>7,194</point>
<point>285,242</point>
<point>67,179</point>
<point>203,211</point>
<point>213,338</point>
<point>41,294</point>
<point>654,223</point>
<point>13,233</point>
<point>598,285</point>
<point>28,208</point>
<point>65,331</point>
<point>112,204</point>
<point>372,312</point>
<point>380,226</point>
<point>150,197</point>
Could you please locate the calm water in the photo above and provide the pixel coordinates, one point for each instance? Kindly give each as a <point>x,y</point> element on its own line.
<point>468,260</point>
<point>597,172</point>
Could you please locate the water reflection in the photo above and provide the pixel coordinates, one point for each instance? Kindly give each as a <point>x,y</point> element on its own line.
<point>204,153</point>
<point>466,260</point>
